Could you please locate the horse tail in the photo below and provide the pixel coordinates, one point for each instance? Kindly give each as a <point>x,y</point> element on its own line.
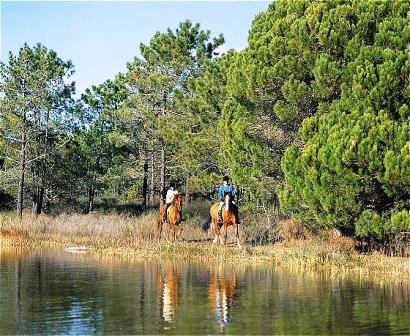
<point>207,223</point>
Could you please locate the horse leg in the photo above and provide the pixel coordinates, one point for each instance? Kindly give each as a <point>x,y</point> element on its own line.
<point>237,234</point>
<point>159,228</point>
<point>225,233</point>
<point>220,235</point>
<point>167,228</point>
<point>181,229</point>
<point>216,230</point>
<point>169,231</point>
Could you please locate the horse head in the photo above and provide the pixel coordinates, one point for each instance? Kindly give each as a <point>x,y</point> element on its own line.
<point>177,201</point>
<point>228,200</point>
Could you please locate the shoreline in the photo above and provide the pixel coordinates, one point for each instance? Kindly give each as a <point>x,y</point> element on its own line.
<point>128,237</point>
<point>295,254</point>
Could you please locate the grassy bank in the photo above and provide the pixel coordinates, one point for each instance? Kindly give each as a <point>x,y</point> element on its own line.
<point>130,237</point>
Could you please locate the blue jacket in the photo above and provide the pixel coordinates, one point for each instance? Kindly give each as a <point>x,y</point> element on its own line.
<point>226,188</point>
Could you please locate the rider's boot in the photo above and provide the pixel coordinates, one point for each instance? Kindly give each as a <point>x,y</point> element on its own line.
<point>220,220</point>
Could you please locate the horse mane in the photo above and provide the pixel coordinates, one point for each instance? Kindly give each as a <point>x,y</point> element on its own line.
<point>177,197</point>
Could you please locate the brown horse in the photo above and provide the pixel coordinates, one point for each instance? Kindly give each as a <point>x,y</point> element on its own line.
<point>229,217</point>
<point>173,219</point>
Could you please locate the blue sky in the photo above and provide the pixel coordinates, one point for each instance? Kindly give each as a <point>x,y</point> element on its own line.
<point>101,36</point>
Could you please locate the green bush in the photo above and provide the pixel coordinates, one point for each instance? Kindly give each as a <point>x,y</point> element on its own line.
<point>372,224</point>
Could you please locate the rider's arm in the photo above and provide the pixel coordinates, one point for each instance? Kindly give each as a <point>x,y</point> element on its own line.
<point>220,193</point>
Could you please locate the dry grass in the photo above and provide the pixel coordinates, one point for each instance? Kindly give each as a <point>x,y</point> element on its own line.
<point>131,237</point>
<point>288,230</point>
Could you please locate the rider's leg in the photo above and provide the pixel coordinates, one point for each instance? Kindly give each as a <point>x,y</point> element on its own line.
<point>220,220</point>
<point>164,219</point>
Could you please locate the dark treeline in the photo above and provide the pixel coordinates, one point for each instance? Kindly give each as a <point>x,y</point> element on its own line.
<point>313,114</point>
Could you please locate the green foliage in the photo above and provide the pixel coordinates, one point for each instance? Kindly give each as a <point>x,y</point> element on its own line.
<point>245,156</point>
<point>104,150</point>
<point>167,100</point>
<point>35,117</point>
<point>199,146</point>
<point>353,171</point>
<point>371,224</point>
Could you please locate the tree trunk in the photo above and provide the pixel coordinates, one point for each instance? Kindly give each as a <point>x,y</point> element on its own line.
<point>40,201</point>
<point>47,203</point>
<point>145,185</point>
<point>91,193</point>
<point>40,167</point>
<point>90,203</point>
<point>22,169</point>
<point>162,191</point>
<point>38,197</point>
<point>91,190</point>
<point>152,188</point>
<point>187,194</point>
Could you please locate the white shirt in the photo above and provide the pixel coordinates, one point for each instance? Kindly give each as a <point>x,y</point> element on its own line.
<point>170,195</point>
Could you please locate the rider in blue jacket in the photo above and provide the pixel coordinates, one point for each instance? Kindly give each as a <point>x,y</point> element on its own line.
<point>226,187</point>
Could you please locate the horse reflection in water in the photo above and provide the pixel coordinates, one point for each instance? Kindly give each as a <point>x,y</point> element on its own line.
<point>221,291</point>
<point>168,293</point>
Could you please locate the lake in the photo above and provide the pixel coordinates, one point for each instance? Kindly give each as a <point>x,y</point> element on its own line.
<point>54,292</point>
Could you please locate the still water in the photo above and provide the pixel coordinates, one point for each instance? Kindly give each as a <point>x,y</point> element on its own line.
<point>54,292</point>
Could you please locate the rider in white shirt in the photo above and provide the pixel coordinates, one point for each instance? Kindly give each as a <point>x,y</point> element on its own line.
<point>169,197</point>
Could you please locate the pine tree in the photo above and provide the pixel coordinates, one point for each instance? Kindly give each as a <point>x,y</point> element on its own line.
<point>158,83</point>
<point>33,113</point>
<point>353,170</point>
<point>98,137</point>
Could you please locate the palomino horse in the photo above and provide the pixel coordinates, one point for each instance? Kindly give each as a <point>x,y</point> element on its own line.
<point>173,219</point>
<point>229,217</point>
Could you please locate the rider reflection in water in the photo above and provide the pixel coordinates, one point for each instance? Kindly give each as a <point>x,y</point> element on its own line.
<point>225,188</point>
